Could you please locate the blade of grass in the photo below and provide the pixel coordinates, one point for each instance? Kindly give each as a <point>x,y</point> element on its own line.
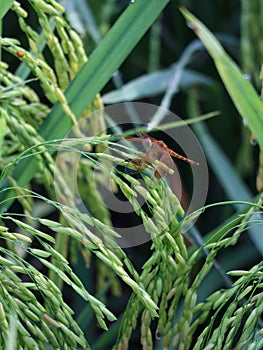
<point>223,169</point>
<point>90,22</point>
<point>232,184</point>
<point>155,46</point>
<point>5,6</point>
<point>103,62</point>
<point>153,84</point>
<point>189,121</point>
<point>241,91</point>
<point>174,81</point>
<point>88,19</point>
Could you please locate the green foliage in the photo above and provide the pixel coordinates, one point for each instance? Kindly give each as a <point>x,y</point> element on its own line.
<point>4,6</point>
<point>62,268</point>
<point>241,91</point>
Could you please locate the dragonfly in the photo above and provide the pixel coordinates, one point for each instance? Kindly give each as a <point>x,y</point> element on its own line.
<point>158,150</point>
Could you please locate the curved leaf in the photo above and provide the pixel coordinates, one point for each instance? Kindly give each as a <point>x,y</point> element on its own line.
<point>153,84</point>
<point>241,91</point>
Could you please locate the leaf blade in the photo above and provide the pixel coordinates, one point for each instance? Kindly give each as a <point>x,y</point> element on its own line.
<point>241,91</point>
<point>153,84</point>
<point>5,6</point>
<point>104,61</point>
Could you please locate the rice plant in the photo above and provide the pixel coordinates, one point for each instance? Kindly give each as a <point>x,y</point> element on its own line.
<point>106,243</point>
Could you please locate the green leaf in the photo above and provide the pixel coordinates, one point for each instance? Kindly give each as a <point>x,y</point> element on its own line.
<point>233,185</point>
<point>153,84</point>
<point>5,6</point>
<point>241,91</point>
<point>103,62</point>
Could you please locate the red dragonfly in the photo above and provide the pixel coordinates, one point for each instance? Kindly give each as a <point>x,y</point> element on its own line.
<point>158,150</point>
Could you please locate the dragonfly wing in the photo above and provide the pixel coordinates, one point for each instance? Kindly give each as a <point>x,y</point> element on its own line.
<point>133,138</point>
<point>145,142</point>
<point>161,169</point>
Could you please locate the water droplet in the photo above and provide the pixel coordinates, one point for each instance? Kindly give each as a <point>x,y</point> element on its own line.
<point>245,122</point>
<point>132,1</point>
<point>247,77</point>
<point>191,25</point>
